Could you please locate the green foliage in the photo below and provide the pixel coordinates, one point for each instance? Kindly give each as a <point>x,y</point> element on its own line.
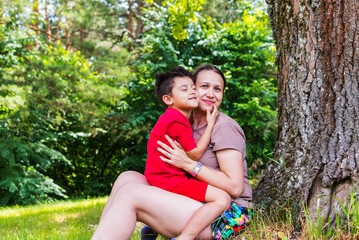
<point>54,122</point>
<point>231,10</point>
<point>243,49</point>
<point>181,13</point>
<point>23,162</point>
<point>251,94</point>
<point>71,121</point>
<point>22,167</point>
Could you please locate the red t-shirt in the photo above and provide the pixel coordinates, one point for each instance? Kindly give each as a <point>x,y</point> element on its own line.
<point>160,174</point>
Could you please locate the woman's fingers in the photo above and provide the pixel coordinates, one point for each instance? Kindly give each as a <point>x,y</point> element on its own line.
<point>215,110</point>
<point>171,142</point>
<point>164,146</point>
<point>178,144</point>
<point>165,159</point>
<point>166,153</point>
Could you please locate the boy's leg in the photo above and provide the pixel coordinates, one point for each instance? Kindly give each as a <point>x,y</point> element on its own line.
<point>217,201</point>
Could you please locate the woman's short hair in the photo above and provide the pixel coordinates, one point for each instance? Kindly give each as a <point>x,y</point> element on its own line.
<point>209,67</point>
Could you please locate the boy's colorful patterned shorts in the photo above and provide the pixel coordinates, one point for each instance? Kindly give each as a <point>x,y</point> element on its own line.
<point>231,222</point>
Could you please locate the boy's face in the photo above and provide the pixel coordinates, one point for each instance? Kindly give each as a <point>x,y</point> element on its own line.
<point>184,95</point>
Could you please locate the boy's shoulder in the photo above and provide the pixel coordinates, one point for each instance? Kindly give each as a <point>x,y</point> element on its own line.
<point>171,116</point>
<point>171,112</point>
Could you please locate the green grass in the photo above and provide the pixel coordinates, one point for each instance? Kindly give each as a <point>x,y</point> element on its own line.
<point>77,220</point>
<point>279,225</point>
<point>73,219</point>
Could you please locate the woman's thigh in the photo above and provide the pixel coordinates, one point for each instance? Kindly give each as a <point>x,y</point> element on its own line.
<point>128,177</point>
<point>167,213</point>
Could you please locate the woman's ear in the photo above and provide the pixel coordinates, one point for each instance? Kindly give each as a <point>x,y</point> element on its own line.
<point>167,100</point>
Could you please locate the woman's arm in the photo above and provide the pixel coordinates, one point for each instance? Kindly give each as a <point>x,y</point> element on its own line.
<point>230,178</point>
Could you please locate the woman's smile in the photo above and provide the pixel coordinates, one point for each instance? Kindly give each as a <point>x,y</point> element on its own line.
<point>209,87</point>
<point>209,102</point>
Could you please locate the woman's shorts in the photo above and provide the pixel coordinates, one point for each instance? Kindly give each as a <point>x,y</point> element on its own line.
<point>231,222</point>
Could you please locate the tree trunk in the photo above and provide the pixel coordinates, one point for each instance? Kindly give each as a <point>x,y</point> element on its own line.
<point>129,24</point>
<point>2,12</point>
<point>48,25</point>
<point>139,15</point>
<point>317,149</point>
<point>35,16</point>
<point>67,36</point>
<point>82,35</point>
<point>35,20</point>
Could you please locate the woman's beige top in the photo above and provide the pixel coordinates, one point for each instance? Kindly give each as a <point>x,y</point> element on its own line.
<point>226,134</point>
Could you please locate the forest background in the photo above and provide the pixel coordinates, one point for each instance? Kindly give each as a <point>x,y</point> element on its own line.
<point>77,100</point>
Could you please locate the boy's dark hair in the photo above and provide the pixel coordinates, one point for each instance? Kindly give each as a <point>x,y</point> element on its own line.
<point>164,81</point>
<point>209,67</point>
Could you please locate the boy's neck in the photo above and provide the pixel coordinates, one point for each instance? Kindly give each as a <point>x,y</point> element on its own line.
<point>184,112</point>
<point>199,118</point>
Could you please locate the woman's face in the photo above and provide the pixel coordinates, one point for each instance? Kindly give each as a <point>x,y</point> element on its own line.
<point>209,87</point>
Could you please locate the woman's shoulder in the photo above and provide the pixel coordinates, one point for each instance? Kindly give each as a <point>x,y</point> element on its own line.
<point>225,119</point>
<point>227,124</point>
<point>227,134</point>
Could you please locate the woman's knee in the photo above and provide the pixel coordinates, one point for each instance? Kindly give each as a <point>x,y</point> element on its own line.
<point>129,195</point>
<point>130,177</point>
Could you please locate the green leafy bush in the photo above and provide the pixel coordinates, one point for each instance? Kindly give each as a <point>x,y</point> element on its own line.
<point>54,111</point>
<point>69,125</point>
<point>244,51</point>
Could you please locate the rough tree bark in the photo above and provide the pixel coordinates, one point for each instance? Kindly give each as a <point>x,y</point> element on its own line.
<point>48,25</point>
<point>317,147</point>
<point>139,24</point>
<point>35,17</point>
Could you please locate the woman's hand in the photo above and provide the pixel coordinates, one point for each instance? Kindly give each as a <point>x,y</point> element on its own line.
<point>212,116</point>
<point>175,154</point>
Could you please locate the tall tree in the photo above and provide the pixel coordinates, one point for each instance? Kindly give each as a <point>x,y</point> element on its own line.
<point>316,157</point>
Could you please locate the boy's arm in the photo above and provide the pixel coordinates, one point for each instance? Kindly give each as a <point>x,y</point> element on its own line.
<point>203,141</point>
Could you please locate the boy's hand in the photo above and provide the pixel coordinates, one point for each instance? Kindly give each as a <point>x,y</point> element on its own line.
<point>212,116</point>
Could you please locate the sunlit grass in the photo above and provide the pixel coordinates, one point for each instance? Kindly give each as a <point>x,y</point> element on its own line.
<point>74,219</point>
<point>61,220</point>
<point>78,219</point>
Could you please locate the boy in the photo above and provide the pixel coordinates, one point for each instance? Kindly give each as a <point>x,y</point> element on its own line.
<point>177,91</point>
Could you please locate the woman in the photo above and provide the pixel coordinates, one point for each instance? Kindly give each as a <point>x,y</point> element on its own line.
<point>133,199</point>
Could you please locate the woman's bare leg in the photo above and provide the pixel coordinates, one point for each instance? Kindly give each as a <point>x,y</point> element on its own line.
<point>165,212</point>
<point>123,179</point>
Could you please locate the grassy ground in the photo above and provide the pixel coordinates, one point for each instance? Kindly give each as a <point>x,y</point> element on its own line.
<point>77,220</point>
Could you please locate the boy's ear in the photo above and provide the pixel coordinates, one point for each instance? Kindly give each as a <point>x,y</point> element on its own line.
<point>167,100</point>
